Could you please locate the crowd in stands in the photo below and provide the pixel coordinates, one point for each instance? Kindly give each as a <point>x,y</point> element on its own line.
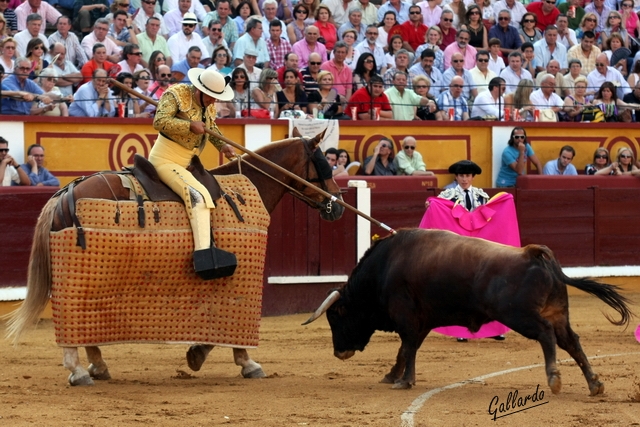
<point>340,59</point>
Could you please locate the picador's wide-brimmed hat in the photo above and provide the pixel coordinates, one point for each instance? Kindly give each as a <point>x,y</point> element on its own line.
<point>211,83</point>
<point>465,167</point>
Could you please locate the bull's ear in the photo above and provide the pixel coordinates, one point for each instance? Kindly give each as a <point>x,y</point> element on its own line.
<point>296,133</point>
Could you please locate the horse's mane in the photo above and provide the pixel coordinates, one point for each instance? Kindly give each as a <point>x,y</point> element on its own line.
<point>266,151</point>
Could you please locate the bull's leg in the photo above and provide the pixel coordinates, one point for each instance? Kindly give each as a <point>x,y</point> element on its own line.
<point>250,369</point>
<point>397,370</point>
<point>570,342</point>
<point>71,361</point>
<point>197,354</point>
<point>409,347</point>
<point>98,368</point>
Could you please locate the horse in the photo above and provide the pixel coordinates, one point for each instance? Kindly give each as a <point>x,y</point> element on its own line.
<point>300,155</point>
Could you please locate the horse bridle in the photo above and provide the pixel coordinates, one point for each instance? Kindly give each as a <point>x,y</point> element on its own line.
<point>323,170</point>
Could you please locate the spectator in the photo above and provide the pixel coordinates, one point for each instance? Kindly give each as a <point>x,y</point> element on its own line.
<point>575,102</point>
<point>242,13</point>
<point>496,63</point>
<point>462,47</point>
<point>409,161</point>
<point>269,9</point>
<point>354,23</point>
<point>629,17</point>
<point>413,31</point>
<point>548,49</point>
<point>94,99</point>
<point>304,48</point>
<point>601,164</point>
<point>131,57</point>
<point>10,17</point>
<point>277,47</point>
<point>528,58</point>
<point>447,29</point>
<point>221,61</point>
<point>422,85</point>
<point>553,69</point>
<point>161,82</point>
<point>566,36</point>
<point>514,72</point>
<point>431,12</point>
<point>119,30</point>
<point>252,40</point>
<point>174,16</point>
<point>481,74</point>
<point>457,9</point>
<point>99,35</point>
<point>37,173</point>
<point>4,33</point>
<point>292,95</point>
<point>452,102</point>
<point>395,45</point>
<point>370,46</point>
<point>477,31</point>
<point>634,98</point>
<point>381,162</point>
<point>249,64</point>
<point>142,82</point>
<point>180,43</point>
<point>151,41</point>
<point>562,165</point>
<point>326,29</point>
<point>310,73</point>
<point>145,13</point>
<point>598,8</point>
<point>585,52</point>
<point>47,81</point>
<point>490,102</point>
<point>22,39</point>
<point>515,8</point>
<point>97,62</point>
<point>603,73</point>
<point>426,68</point>
<point>326,99</point>
<point>520,100</point>
<point>507,34</point>
<point>44,9</point>
<point>589,23</point>
<point>546,13</point>
<point>10,169</point>
<point>68,75</point>
<point>290,62</point>
<point>343,158</point>
<point>369,11</point>
<point>295,29</point>
<point>514,159</point>
<point>607,100</point>
<point>180,70</point>
<point>617,53</point>
<point>351,57</point>
<point>63,35</point>
<point>398,7</point>
<point>529,31</point>
<point>573,11</point>
<point>215,38</point>
<point>332,158</point>
<point>387,26</point>
<point>458,70</point>
<point>625,162</point>
<point>264,95</point>
<point>342,74</point>
<point>434,36</point>
<point>365,69</point>
<point>365,101</point>
<point>157,59</point>
<point>27,90</point>
<point>123,97</point>
<point>404,101</point>
<point>116,5</point>
<point>35,53</point>
<point>402,64</point>
<point>546,98</point>
<point>240,85</point>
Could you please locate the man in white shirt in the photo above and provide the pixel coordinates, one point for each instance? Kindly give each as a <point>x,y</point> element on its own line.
<point>516,8</point>
<point>566,36</point>
<point>194,7</point>
<point>514,72</point>
<point>604,73</point>
<point>74,51</point>
<point>253,40</point>
<point>22,39</point>
<point>10,170</point>
<point>496,63</point>
<point>369,45</point>
<point>68,74</point>
<point>146,11</point>
<point>180,43</point>
<point>369,11</point>
<point>546,97</point>
<point>173,18</point>
<point>339,10</point>
<point>490,102</point>
<point>481,73</point>
<point>548,48</point>
<point>269,9</point>
<point>99,35</point>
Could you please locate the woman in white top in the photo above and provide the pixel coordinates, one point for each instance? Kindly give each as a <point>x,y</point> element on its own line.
<point>459,9</point>
<point>47,81</point>
<point>634,75</point>
<point>264,96</point>
<point>388,21</point>
<point>142,80</point>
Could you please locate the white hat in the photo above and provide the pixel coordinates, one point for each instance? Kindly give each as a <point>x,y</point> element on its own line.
<point>189,18</point>
<point>211,83</point>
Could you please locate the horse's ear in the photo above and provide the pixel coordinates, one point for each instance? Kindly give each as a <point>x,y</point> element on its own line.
<point>318,138</point>
<point>296,132</point>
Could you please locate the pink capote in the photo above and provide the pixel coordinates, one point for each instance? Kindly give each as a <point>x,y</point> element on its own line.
<point>638,333</point>
<point>495,221</point>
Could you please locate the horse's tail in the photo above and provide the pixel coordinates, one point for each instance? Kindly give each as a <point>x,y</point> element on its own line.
<point>605,292</point>
<point>39,277</point>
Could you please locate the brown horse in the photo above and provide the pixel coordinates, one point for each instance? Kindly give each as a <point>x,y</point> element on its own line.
<point>300,156</point>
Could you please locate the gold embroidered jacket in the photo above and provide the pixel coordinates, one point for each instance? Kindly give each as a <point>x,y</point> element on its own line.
<point>180,98</point>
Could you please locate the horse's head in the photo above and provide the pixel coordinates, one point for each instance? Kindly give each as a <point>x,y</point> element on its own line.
<point>316,170</point>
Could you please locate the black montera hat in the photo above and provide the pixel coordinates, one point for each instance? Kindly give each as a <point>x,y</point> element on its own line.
<point>464,167</point>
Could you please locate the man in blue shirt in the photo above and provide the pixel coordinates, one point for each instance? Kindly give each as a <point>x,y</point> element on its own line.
<point>180,70</point>
<point>38,174</point>
<point>507,34</point>
<point>562,165</point>
<point>94,99</point>
<point>20,85</point>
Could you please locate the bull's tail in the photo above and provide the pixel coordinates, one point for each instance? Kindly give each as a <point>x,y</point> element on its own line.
<point>607,293</point>
<point>39,277</point>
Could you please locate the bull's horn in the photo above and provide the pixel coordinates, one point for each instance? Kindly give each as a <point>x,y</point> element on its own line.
<point>333,297</point>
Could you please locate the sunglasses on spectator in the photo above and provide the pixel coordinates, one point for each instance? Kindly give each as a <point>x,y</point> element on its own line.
<point>123,5</point>
<point>221,55</point>
<point>600,64</point>
<point>217,30</point>
<point>421,87</point>
<point>160,58</point>
<point>368,61</point>
<point>590,20</point>
<point>164,75</point>
<point>447,20</point>
<point>189,25</point>
<point>315,63</point>
<point>627,5</point>
<point>503,18</point>
<point>148,2</point>
<point>9,47</point>
<point>136,53</point>
<point>519,137</point>
<point>457,60</point>
<point>601,156</point>
<point>457,86</point>
<point>475,12</point>
<point>385,146</point>
<point>482,60</point>
<point>415,12</point>
<point>23,68</point>
<point>528,21</point>
<point>409,147</point>
<point>301,11</point>
<point>625,156</point>
<point>4,150</point>
<point>370,33</point>
<point>550,2</point>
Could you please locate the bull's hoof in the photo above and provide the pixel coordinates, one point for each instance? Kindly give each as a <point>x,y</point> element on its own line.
<point>81,380</point>
<point>99,374</point>
<point>595,386</point>
<point>555,383</point>
<point>401,385</point>
<point>196,357</point>
<point>388,379</point>
<point>256,373</point>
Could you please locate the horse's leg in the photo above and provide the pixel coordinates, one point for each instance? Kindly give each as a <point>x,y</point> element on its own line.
<point>98,368</point>
<point>250,369</point>
<point>71,361</point>
<point>197,354</point>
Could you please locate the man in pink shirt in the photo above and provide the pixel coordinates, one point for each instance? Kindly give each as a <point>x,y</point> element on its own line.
<point>305,47</point>
<point>461,46</point>
<point>45,10</point>
<point>342,74</point>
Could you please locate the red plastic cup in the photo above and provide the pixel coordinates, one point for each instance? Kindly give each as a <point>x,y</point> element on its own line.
<point>452,114</point>
<point>377,109</point>
<point>354,113</point>
<point>121,107</point>
<point>516,114</point>
<point>536,115</point>
<point>507,114</point>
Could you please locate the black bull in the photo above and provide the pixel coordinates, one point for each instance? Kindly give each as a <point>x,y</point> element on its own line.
<point>418,280</point>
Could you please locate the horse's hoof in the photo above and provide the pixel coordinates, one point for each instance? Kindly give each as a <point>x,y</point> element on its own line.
<point>97,374</point>
<point>83,380</point>
<point>555,383</point>
<point>256,373</point>
<point>595,386</point>
<point>401,385</point>
<point>195,357</point>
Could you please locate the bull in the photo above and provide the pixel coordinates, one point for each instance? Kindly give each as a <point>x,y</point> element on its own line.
<point>418,280</point>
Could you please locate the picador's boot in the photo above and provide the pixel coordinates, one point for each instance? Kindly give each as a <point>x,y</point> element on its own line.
<point>214,263</point>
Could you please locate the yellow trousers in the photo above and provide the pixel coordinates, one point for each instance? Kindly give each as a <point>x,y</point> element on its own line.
<point>170,160</point>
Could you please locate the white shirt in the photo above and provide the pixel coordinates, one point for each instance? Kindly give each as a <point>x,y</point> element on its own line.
<point>141,22</point>
<point>124,67</point>
<point>196,7</point>
<point>517,12</point>
<point>564,39</point>
<point>179,45</point>
<point>10,174</point>
<point>485,104</point>
<point>540,102</point>
<point>496,65</point>
<point>23,38</point>
<point>90,39</point>
<point>595,80</point>
<point>69,68</point>
<point>511,78</point>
